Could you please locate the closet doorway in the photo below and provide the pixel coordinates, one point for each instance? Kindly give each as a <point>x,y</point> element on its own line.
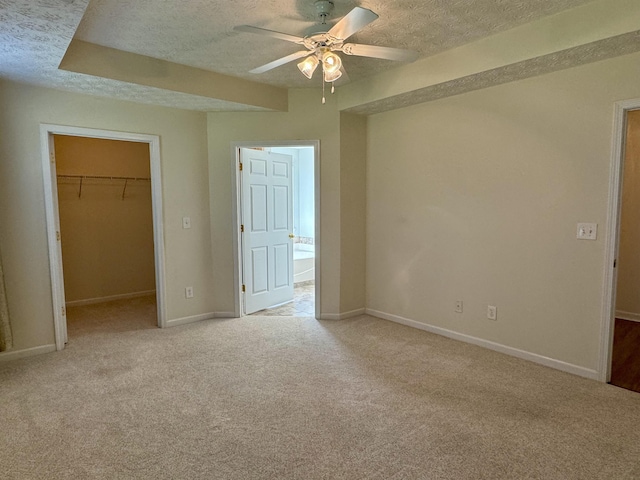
<point>104,218</point>
<point>625,362</point>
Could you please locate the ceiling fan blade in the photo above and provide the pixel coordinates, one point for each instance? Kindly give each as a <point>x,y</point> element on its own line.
<point>374,51</point>
<point>281,61</point>
<point>269,33</point>
<point>352,22</point>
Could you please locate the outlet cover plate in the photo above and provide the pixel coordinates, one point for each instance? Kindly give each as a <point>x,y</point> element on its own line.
<point>587,231</point>
<point>458,306</point>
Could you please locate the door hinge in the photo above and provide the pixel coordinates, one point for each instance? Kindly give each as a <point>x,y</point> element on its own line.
<point>52,157</point>
<point>64,311</point>
<point>240,166</point>
<point>58,235</point>
<point>243,288</point>
<point>615,262</point>
<point>242,228</point>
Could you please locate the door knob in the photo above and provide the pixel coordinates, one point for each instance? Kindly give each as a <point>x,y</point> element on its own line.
<point>291,235</point>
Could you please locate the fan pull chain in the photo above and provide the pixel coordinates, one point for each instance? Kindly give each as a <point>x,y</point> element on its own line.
<point>323,99</point>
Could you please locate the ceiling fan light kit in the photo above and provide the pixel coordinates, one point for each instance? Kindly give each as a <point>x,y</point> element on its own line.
<point>322,47</point>
<point>331,62</point>
<point>308,66</point>
<point>331,77</point>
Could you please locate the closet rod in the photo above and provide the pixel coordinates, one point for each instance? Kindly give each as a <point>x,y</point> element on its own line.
<point>83,177</point>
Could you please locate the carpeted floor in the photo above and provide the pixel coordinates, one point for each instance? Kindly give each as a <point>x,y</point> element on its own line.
<point>285,398</point>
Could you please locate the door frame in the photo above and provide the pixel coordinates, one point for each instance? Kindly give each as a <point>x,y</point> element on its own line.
<point>47,131</point>
<point>612,239</point>
<point>236,209</point>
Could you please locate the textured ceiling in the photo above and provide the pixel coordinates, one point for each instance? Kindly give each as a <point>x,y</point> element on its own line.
<point>35,34</point>
<point>199,33</point>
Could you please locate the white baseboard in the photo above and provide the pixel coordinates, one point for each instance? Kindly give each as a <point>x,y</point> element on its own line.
<point>122,296</point>
<point>26,352</point>
<point>514,352</point>
<point>194,318</point>
<point>633,317</point>
<point>224,315</point>
<point>342,316</point>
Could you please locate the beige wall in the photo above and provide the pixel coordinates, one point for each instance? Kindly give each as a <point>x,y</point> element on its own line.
<point>107,240</point>
<point>307,119</point>
<point>628,288</point>
<point>353,164</point>
<point>476,197</point>
<point>22,217</point>
<point>101,157</point>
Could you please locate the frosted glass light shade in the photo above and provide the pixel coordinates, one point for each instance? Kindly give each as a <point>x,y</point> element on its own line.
<point>308,66</point>
<point>331,62</point>
<point>332,76</point>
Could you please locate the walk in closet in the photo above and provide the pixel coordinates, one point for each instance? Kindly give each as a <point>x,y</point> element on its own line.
<point>106,223</point>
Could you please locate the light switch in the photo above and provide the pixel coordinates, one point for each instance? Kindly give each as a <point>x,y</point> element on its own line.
<point>587,231</point>
<point>186,222</point>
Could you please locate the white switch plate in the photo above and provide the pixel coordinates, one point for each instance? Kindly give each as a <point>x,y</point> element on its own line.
<point>458,306</point>
<point>492,312</point>
<point>186,222</point>
<point>188,292</point>
<point>587,231</point>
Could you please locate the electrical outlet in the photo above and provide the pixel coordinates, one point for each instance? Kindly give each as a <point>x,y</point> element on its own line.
<point>188,292</point>
<point>458,306</point>
<point>492,312</point>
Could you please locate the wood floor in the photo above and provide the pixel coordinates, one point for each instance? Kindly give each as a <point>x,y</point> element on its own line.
<point>625,364</point>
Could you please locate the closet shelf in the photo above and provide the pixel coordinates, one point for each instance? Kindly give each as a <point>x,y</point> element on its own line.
<point>99,177</point>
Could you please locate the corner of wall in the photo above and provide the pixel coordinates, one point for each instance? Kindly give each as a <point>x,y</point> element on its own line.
<point>353,159</point>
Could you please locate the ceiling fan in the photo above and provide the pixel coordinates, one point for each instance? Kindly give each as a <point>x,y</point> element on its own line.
<point>321,47</point>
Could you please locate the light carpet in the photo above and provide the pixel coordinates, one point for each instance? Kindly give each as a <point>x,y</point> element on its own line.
<point>295,398</point>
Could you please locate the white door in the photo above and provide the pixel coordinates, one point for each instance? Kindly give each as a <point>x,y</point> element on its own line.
<point>267,219</point>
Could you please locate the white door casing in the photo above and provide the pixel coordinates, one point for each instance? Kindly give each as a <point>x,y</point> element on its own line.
<point>53,219</point>
<point>267,219</point>
<point>55,242</point>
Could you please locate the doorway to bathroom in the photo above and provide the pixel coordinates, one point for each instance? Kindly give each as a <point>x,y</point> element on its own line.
<point>278,229</point>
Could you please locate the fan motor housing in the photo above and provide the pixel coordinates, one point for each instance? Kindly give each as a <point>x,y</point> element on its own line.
<point>324,8</point>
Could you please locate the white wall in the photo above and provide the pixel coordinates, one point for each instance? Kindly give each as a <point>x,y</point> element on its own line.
<point>476,197</point>
<point>306,193</point>
<point>22,217</point>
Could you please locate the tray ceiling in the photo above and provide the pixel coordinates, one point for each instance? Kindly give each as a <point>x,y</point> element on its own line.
<point>35,35</point>
<point>200,33</point>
